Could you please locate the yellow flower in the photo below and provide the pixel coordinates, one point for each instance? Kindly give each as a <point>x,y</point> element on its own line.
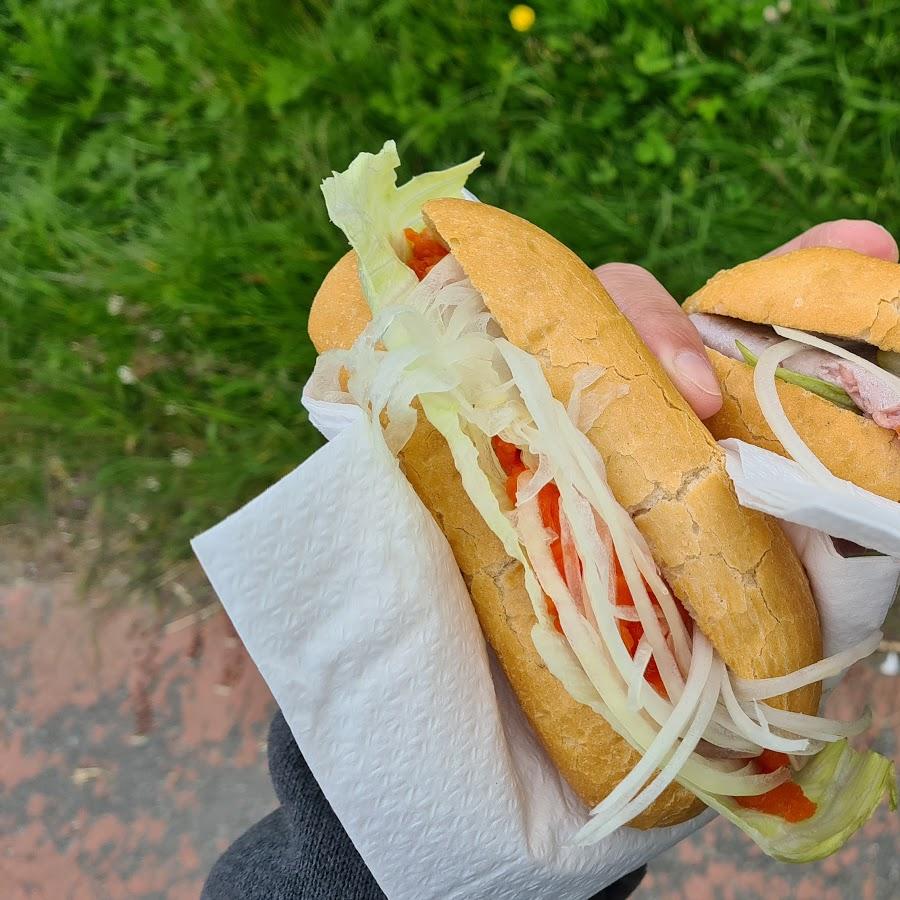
<point>521,17</point>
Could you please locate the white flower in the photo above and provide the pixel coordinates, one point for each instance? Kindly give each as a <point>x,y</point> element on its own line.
<point>115,304</point>
<point>126,376</point>
<point>170,409</point>
<point>770,14</point>
<point>155,335</point>
<point>181,458</point>
<point>784,6</point>
<point>151,483</point>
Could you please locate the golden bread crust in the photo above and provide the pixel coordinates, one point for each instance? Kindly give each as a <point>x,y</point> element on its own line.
<point>734,568</point>
<point>825,289</point>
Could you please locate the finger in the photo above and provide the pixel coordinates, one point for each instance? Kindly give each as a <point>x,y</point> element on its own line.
<point>666,330</point>
<point>852,234</point>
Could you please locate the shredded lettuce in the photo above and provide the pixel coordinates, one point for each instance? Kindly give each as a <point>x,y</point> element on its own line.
<point>830,392</point>
<point>847,786</point>
<point>434,341</point>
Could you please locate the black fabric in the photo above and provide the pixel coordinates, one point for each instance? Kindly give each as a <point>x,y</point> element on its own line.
<point>301,851</point>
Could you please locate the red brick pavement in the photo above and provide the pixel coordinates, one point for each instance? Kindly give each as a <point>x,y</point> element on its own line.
<point>131,755</point>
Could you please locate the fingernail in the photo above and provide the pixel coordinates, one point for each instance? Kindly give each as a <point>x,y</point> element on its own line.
<point>692,367</point>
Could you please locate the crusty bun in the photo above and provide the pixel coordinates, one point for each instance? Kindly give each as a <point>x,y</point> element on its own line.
<point>825,289</point>
<point>733,568</point>
<point>586,750</point>
<point>851,446</point>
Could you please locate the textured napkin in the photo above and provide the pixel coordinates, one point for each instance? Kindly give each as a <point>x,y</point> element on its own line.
<point>347,597</point>
<point>853,594</point>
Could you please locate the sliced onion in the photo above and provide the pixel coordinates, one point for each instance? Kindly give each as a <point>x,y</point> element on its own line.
<point>602,825</point>
<point>596,403</point>
<point>580,383</point>
<point>572,568</point>
<point>756,732</point>
<point>763,688</point>
<point>802,337</point>
<point>760,716</point>
<point>723,734</point>
<point>774,414</point>
<point>599,557</point>
<point>611,673</point>
<point>816,727</point>
<point>628,549</point>
<point>625,552</point>
<point>642,656</point>
<point>626,613</point>
<point>596,577</point>
<point>684,711</point>
<point>533,485</point>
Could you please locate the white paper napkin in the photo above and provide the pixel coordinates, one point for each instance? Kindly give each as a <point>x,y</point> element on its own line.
<point>779,486</point>
<point>853,595</point>
<point>347,597</point>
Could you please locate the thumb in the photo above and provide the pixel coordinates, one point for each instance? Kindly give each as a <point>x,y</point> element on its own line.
<point>666,330</point>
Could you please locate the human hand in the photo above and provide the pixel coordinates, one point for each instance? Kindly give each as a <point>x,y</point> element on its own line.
<point>668,332</point>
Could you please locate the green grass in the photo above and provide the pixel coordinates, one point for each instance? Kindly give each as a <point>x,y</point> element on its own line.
<point>169,154</point>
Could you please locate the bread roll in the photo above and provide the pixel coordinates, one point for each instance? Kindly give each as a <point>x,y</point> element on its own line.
<point>734,569</point>
<point>821,289</point>
<point>824,289</point>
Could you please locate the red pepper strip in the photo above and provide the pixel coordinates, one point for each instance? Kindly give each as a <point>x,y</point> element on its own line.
<point>787,800</point>
<point>632,632</point>
<point>510,458</point>
<point>425,251</point>
<point>508,455</point>
<point>548,501</point>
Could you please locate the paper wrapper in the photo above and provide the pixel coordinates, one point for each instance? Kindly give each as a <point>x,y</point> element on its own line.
<point>347,597</point>
<point>779,486</point>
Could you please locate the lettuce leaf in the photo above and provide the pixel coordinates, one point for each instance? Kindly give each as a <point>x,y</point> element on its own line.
<point>366,204</point>
<point>816,386</point>
<point>847,787</point>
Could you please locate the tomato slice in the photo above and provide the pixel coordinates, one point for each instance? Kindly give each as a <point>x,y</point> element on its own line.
<point>425,251</point>
<point>787,801</point>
